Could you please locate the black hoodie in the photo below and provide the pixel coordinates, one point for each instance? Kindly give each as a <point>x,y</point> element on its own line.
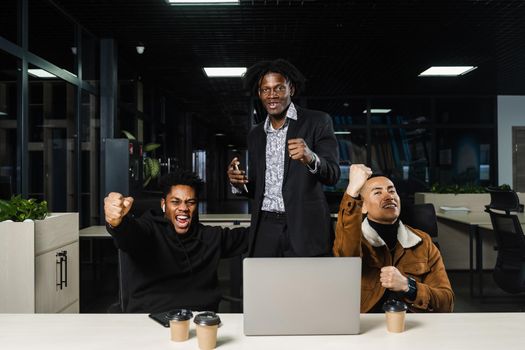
<point>162,270</point>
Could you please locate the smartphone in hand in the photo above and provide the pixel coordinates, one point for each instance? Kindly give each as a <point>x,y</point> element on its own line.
<point>236,167</point>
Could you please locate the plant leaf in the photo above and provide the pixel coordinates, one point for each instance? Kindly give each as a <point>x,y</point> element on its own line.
<point>151,146</point>
<point>18,209</point>
<point>128,135</point>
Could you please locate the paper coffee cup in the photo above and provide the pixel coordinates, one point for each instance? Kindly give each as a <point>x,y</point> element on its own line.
<point>207,324</point>
<point>180,330</point>
<point>395,312</point>
<point>179,324</point>
<point>207,337</point>
<point>395,321</point>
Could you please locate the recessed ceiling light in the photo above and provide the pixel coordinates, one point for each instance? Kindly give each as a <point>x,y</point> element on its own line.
<point>342,132</point>
<point>378,110</point>
<point>219,134</point>
<point>444,71</point>
<point>202,2</point>
<point>221,72</point>
<point>40,73</point>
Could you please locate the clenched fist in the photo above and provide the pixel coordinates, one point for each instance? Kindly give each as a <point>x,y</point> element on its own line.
<point>359,174</point>
<point>116,206</point>
<point>392,279</point>
<point>298,150</point>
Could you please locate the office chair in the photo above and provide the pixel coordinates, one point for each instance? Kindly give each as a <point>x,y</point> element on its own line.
<point>505,200</point>
<point>120,305</point>
<point>509,272</point>
<point>422,217</point>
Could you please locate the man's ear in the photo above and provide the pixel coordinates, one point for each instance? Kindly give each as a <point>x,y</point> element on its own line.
<point>364,209</point>
<point>292,90</point>
<point>163,204</point>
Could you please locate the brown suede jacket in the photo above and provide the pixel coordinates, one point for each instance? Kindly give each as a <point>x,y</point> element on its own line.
<point>414,256</point>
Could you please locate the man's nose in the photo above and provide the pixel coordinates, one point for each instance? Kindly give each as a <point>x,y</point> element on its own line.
<point>389,196</point>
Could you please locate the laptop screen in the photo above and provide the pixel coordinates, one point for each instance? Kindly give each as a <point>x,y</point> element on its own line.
<point>293,296</point>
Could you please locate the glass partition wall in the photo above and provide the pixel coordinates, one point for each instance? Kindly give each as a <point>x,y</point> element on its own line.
<point>417,141</point>
<point>8,123</point>
<point>49,115</point>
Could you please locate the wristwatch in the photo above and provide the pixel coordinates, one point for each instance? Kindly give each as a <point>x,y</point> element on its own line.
<point>412,289</point>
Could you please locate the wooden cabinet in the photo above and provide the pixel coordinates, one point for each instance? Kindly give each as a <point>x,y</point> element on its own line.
<point>39,265</point>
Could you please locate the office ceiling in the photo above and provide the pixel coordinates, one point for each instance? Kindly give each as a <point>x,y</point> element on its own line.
<point>344,48</point>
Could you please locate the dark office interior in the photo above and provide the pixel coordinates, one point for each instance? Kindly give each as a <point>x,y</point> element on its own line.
<point>118,69</point>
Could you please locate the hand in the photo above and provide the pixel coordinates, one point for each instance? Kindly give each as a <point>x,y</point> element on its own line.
<point>116,207</point>
<point>237,177</point>
<point>359,173</point>
<point>392,279</point>
<point>298,150</point>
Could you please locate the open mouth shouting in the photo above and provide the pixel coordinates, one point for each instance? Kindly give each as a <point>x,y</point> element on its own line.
<point>182,223</point>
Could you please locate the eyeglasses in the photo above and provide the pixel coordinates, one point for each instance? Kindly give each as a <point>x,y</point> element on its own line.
<point>279,90</point>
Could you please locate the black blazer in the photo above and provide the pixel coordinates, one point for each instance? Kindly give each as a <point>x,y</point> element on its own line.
<point>307,214</point>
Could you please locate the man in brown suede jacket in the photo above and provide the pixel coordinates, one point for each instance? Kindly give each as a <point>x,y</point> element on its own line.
<point>399,261</point>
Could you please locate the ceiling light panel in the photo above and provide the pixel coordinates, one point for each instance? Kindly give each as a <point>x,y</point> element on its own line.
<point>378,110</point>
<point>40,73</point>
<point>447,71</point>
<point>202,2</point>
<point>223,72</point>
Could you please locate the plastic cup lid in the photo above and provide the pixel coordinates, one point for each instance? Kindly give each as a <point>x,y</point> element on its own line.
<point>394,306</point>
<point>207,318</point>
<point>179,314</point>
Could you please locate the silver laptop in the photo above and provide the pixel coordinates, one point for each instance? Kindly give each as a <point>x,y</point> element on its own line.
<point>292,296</point>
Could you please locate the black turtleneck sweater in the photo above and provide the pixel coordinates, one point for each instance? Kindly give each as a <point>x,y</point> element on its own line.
<point>388,232</point>
<point>163,270</point>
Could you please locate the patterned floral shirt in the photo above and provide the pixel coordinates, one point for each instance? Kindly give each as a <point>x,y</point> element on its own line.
<point>275,153</point>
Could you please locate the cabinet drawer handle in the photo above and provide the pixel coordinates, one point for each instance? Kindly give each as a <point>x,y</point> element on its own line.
<point>61,261</point>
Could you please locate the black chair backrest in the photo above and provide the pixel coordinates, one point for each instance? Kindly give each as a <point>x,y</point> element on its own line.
<point>509,272</point>
<point>505,200</point>
<point>509,235</point>
<point>420,216</point>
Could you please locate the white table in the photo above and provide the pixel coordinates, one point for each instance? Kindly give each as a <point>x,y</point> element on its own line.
<point>478,331</point>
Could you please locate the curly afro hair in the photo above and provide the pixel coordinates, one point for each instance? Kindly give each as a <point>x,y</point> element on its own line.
<point>254,74</point>
<point>180,177</point>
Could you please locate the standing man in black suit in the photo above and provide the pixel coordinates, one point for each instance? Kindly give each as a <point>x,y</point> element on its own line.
<point>291,155</point>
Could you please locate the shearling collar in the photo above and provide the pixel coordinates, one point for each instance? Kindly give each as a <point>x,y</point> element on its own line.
<point>405,236</point>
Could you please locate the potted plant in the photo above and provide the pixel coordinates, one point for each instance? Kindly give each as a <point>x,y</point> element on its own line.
<point>150,166</point>
<point>18,209</point>
<point>38,257</point>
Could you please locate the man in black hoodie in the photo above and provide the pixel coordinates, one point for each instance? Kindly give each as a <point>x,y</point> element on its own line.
<point>169,260</point>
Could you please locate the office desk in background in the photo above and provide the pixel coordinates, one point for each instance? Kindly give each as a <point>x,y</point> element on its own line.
<point>474,221</point>
<point>478,331</point>
<point>206,219</point>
